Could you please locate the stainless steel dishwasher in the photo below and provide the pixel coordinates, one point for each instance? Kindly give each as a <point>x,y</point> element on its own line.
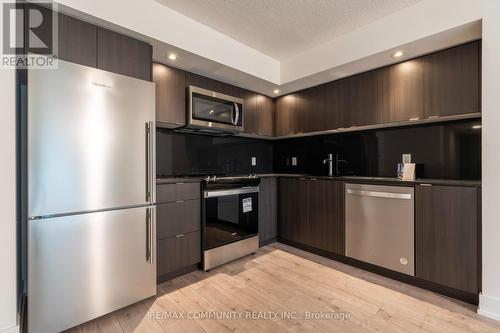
<point>380,225</point>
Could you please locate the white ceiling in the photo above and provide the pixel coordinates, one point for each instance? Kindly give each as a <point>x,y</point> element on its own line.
<point>284,28</point>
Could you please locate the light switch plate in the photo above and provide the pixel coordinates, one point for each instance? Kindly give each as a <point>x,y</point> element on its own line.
<point>406,158</point>
<point>254,161</point>
<point>294,161</point>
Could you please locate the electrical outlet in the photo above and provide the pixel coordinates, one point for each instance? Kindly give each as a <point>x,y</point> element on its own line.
<point>406,158</point>
<point>294,161</point>
<point>254,161</point>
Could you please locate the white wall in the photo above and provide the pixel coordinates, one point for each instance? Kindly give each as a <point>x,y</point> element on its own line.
<point>8,267</point>
<point>489,302</point>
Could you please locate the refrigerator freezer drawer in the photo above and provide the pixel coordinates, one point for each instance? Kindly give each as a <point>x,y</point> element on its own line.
<point>84,266</point>
<point>380,226</point>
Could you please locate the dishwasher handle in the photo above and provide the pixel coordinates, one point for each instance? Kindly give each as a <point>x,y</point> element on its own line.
<point>377,194</point>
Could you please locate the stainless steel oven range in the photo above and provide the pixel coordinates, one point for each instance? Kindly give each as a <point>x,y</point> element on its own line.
<point>230,219</point>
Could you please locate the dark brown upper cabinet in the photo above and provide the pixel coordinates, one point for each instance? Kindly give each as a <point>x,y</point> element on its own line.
<point>307,110</point>
<point>403,98</point>
<point>286,115</point>
<point>214,85</point>
<point>265,108</point>
<point>451,81</point>
<point>123,55</point>
<point>258,116</point>
<point>170,95</point>
<point>334,105</point>
<point>250,113</point>
<point>436,85</point>
<point>77,41</point>
<point>447,227</point>
<point>363,99</point>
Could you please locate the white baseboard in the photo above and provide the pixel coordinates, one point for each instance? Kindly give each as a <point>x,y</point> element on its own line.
<point>14,329</point>
<point>489,306</point>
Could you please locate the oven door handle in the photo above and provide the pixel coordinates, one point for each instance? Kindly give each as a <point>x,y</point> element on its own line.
<point>223,193</point>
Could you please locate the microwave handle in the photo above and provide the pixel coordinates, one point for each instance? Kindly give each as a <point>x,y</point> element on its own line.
<point>237,114</point>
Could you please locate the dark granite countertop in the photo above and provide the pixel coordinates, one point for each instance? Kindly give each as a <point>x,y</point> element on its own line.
<point>353,179</point>
<point>386,180</point>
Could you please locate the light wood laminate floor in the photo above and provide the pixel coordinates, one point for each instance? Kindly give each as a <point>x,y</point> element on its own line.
<point>280,281</point>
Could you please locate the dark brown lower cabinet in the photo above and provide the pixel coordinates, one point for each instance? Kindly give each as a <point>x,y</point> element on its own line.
<point>311,213</point>
<point>176,253</point>
<point>176,218</point>
<point>178,229</point>
<point>326,215</point>
<point>293,210</point>
<point>268,228</point>
<point>447,228</point>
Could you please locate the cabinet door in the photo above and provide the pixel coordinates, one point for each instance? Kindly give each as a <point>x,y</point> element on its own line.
<point>285,115</point>
<point>304,111</point>
<point>77,41</point>
<point>175,218</point>
<point>123,55</point>
<point>250,112</point>
<point>451,81</point>
<point>265,111</point>
<point>363,95</point>
<point>334,109</point>
<point>268,228</point>
<point>403,98</point>
<point>175,253</point>
<point>447,236</point>
<point>326,215</point>
<point>311,110</point>
<point>170,95</point>
<point>294,210</point>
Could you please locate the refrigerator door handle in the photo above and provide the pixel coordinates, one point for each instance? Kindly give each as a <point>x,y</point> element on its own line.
<point>149,165</point>
<point>148,236</point>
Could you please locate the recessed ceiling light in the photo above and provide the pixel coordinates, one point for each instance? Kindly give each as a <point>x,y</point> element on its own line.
<point>276,91</point>
<point>397,54</point>
<point>172,56</point>
<point>477,126</point>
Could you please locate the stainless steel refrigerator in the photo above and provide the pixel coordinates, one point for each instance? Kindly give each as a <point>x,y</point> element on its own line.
<point>91,194</point>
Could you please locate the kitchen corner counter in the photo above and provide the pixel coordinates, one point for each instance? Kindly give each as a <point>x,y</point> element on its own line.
<point>349,179</point>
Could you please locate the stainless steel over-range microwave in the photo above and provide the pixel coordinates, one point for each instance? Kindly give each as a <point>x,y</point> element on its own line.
<point>213,112</point>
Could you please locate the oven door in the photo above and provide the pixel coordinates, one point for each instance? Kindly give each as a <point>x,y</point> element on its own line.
<point>208,109</point>
<point>230,215</point>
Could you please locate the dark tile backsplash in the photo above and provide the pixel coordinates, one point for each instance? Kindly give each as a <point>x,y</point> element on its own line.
<point>446,151</point>
<point>180,154</point>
